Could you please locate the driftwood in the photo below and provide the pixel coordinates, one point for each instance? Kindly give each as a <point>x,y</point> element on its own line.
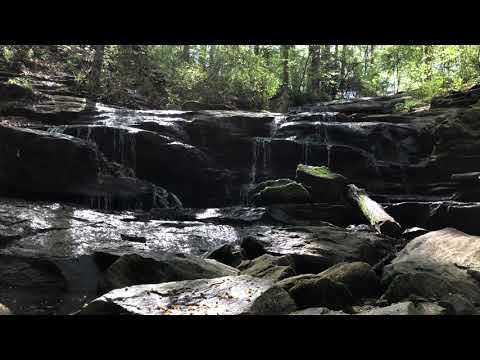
<point>374,212</point>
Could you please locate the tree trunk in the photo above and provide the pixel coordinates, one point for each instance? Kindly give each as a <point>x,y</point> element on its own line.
<point>285,96</point>
<point>203,56</point>
<point>256,49</point>
<point>314,71</point>
<point>374,212</point>
<point>284,55</point>
<point>428,59</point>
<point>96,70</point>
<point>186,53</point>
<point>365,60</point>
<point>372,49</point>
<point>343,65</point>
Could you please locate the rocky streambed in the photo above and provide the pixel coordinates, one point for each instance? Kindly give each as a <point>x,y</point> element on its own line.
<point>107,210</point>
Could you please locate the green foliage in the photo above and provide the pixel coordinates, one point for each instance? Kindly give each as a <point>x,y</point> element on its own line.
<point>22,82</point>
<point>247,77</point>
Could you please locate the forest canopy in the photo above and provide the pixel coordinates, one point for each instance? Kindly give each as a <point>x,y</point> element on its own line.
<point>250,77</point>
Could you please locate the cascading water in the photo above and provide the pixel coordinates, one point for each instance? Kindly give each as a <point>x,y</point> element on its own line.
<point>326,141</point>
<point>277,120</point>
<point>260,151</point>
<point>57,129</point>
<point>306,151</point>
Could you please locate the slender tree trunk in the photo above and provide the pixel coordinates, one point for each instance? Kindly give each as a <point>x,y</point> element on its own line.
<point>428,59</point>
<point>398,75</point>
<point>343,65</point>
<point>372,49</point>
<point>203,56</point>
<point>186,53</point>
<point>314,71</point>
<point>256,49</point>
<point>284,55</point>
<point>285,96</point>
<point>300,85</point>
<point>365,60</point>
<point>96,70</point>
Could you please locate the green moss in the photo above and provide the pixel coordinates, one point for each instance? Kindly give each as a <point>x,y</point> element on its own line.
<point>318,171</point>
<point>291,192</point>
<point>21,82</point>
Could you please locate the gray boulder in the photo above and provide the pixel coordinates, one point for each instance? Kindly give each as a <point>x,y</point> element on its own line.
<point>270,267</point>
<point>434,266</point>
<point>134,269</point>
<point>231,295</point>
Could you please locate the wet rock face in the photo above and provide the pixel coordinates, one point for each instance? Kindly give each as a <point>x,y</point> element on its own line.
<point>35,161</point>
<point>435,265</point>
<point>39,164</point>
<point>290,193</point>
<point>437,215</point>
<point>222,296</point>
<point>270,267</point>
<point>316,248</point>
<point>457,99</point>
<point>133,269</point>
<point>180,169</point>
<point>407,308</point>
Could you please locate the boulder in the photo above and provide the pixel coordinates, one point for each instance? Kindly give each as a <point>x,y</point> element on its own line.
<point>31,286</point>
<point>5,310</point>
<point>134,269</point>
<point>270,267</point>
<point>316,248</point>
<point>435,265</point>
<point>323,184</point>
<point>231,295</point>
<point>358,277</point>
<point>456,304</point>
<point>318,311</point>
<point>292,192</point>
<point>318,292</point>
<point>225,254</point>
<point>407,308</point>
<point>252,248</point>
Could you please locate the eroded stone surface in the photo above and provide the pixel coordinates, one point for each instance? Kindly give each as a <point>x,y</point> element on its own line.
<point>435,265</point>
<point>221,296</point>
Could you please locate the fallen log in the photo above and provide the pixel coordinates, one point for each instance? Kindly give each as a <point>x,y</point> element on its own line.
<point>374,212</point>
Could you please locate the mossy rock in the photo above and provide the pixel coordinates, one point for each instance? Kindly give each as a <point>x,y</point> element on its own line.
<point>268,266</point>
<point>318,171</point>
<point>292,192</point>
<point>358,277</point>
<point>321,292</point>
<point>261,186</point>
<point>323,184</point>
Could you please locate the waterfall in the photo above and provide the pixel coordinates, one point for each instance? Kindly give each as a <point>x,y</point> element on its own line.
<point>261,156</point>
<point>100,202</point>
<point>326,141</point>
<point>277,120</point>
<point>306,151</point>
<point>57,129</point>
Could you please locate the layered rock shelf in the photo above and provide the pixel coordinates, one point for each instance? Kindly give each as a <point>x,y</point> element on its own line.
<point>330,209</point>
